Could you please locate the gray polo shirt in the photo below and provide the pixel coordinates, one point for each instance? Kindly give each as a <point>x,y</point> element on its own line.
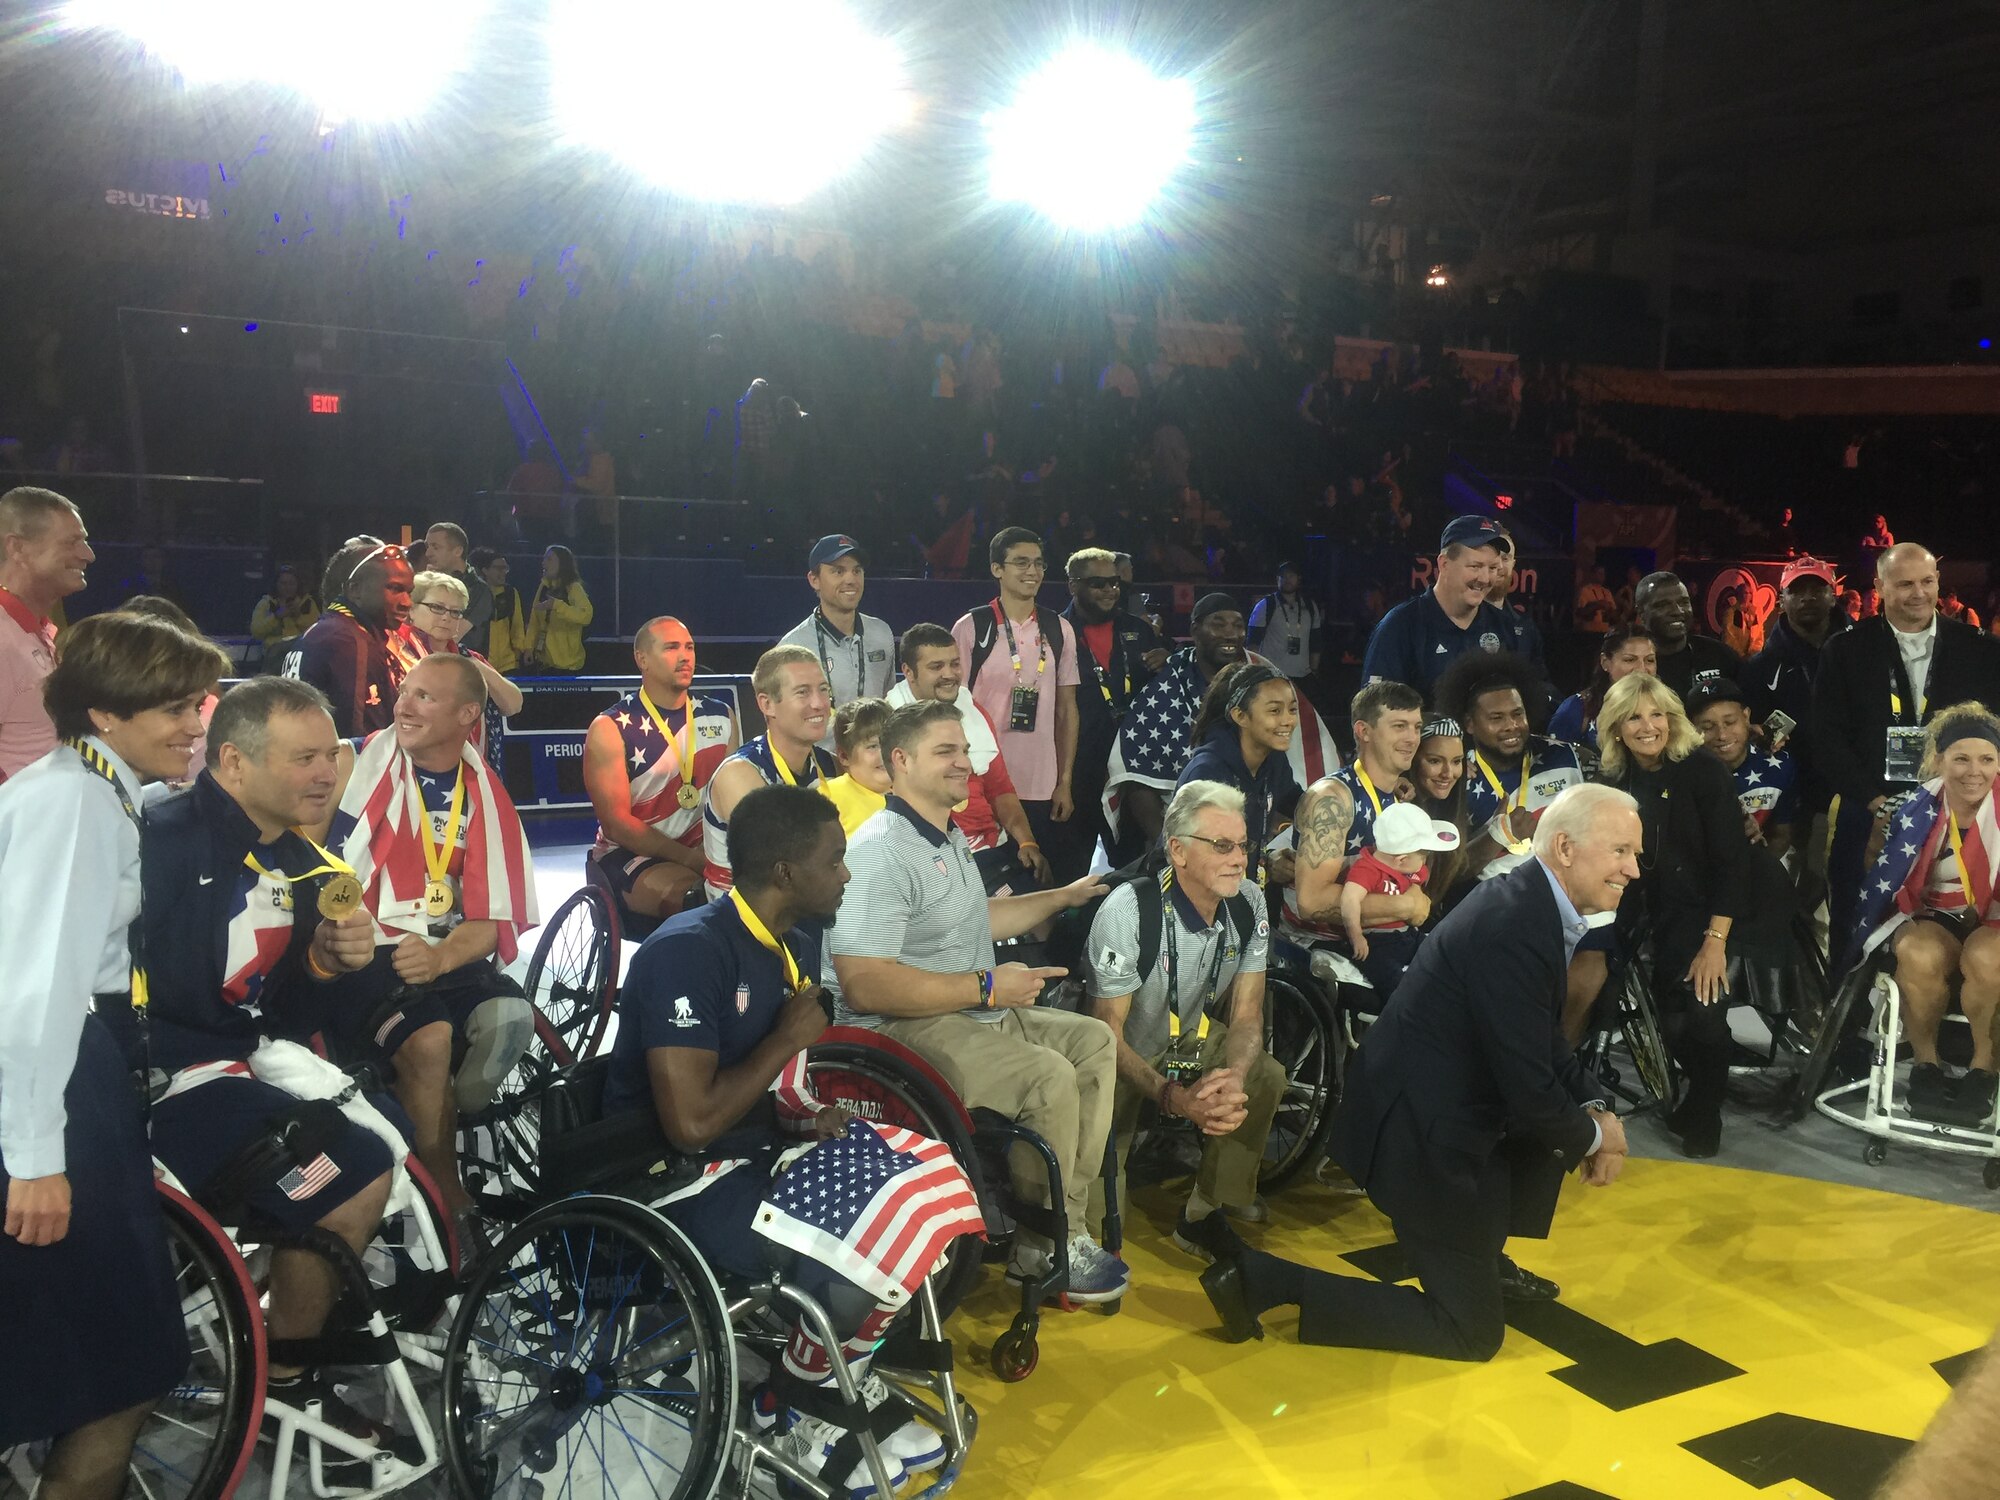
<point>861,665</point>
<point>1188,946</point>
<point>916,896</point>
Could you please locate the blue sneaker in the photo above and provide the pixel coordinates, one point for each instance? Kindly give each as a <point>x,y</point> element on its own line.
<point>1095,1274</point>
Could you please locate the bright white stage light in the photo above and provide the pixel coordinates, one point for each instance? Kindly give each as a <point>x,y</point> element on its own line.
<point>357,60</point>
<point>1091,139</point>
<point>725,102</point>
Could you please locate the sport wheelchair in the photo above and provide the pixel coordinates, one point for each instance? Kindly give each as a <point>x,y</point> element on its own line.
<point>594,1351</point>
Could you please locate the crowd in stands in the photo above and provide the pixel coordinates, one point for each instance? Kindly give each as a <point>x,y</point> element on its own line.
<point>977,777</point>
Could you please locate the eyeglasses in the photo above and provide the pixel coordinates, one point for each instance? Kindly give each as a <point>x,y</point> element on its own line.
<point>1028,564</point>
<point>1101,583</point>
<point>444,609</point>
<point>1224,847</point>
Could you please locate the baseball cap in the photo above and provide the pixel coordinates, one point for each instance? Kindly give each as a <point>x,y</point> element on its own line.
<point>832,548</point>
<point>1473,531</point>
<point>1706,695</point>
<point>1807,567</point>
<point>1407,828</point>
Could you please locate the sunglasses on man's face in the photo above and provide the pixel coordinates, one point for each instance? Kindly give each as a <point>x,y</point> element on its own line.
<point>1100,583</point>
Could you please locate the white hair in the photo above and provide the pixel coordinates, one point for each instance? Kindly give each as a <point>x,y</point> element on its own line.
<point>1574,811</point>
<point>1193,798</point>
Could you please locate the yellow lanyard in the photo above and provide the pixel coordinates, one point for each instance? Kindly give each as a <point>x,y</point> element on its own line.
<point>94,759</point>
<point>1500,792</point>
<point>764,939</point>
<point>784,771</point>
<point>1374,797</point>
<point>437,857</point>
<point>1964,872</point>
<point>1169,920</point>
<point>686,749</point>
<point>1014,651</point>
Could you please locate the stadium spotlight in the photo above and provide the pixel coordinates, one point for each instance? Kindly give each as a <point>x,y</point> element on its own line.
<point>359,60</point>
<point>767,114</point>
<point>1091,139</point>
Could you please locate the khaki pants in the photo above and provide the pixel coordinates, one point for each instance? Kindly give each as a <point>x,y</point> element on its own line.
<point>1229,1163</point>
<point>1049,1070</point>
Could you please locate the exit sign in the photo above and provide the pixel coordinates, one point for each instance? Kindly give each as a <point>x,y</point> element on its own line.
<point>323,403</point>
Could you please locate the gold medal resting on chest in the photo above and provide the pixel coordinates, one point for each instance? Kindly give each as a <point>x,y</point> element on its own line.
<point>689,797</point>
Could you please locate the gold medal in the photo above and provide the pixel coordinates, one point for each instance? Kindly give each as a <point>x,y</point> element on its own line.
<point>340,897</point>
<point>689,797</point>
<point>438,899</point>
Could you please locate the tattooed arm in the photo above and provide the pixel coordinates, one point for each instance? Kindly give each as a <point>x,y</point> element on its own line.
<point>1325,814</point>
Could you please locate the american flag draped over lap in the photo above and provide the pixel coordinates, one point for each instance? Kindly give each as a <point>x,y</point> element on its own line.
<point>1918,836</point>
<point>497,883</point>
<point>1153,747</point>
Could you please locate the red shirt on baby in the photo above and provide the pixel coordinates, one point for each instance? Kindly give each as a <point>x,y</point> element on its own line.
<point>1376,875</point>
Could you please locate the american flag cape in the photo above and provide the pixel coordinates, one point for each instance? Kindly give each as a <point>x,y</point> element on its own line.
<point>1917,838</point>
<point>497,881</point>
<point>1152,747</point>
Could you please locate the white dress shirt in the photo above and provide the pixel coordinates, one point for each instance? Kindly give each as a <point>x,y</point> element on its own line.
<point>69,888</point>
<point>1917,648</point>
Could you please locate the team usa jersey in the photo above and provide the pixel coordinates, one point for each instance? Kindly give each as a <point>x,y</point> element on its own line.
<point>1767,785</point>
<point>653,763</point>
<point>715,832</point>
<point>1546,770</point>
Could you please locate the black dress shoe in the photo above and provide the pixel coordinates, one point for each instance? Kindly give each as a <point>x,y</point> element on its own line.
<point>1517,1285</point>
<point>1223,1282</point>
<point>1701,1139</point>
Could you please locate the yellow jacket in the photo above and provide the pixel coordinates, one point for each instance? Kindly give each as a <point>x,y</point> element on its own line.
<point>270,627</point>
<point>507,637</point>
<point>856,803</point>
<point>556,636</point>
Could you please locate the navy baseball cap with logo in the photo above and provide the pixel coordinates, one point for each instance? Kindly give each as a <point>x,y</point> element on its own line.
<point>1473,531</point>
<point>832,548</point>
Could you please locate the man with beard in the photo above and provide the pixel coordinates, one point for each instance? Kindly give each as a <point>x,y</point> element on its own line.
<point>1118,653</point>
<point>1419,638</point>
<point>1510,774</point>
<point>1685,658</point>
<point>346,653</point>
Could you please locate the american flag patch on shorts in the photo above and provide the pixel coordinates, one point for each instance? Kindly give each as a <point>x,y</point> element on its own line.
<point>303,1182</point>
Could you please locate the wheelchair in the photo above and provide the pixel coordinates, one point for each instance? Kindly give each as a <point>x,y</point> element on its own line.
<point>594,1352</point>
<point>1865,1016</point>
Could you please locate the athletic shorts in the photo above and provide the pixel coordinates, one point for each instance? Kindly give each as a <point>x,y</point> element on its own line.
<point>200,1133</point>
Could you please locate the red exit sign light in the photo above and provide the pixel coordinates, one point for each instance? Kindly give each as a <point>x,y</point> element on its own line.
<point>323,403</point>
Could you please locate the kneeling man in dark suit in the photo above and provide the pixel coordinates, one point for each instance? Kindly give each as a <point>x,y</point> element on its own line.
<point>1464,1107</point>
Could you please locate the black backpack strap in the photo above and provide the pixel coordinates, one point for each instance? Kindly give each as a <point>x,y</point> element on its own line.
<point>1238,907</point>
<point>1152,921</point>
<point>1050,624</point>
<point>984,632</point>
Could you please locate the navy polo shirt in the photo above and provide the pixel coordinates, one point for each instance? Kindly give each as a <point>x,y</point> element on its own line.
<point>700,981</point>
<point>1417,640</point>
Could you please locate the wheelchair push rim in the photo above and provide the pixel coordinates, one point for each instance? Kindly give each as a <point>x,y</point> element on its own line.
<point>591,1355</point>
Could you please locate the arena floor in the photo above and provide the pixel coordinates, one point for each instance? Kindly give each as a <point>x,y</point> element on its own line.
<point>1782,1322</point>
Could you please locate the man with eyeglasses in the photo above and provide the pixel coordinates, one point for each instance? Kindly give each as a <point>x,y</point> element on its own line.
<point>346,653</point>
<point>1165,958</point>
<point>1118,655</point>
<point>1022,669</point>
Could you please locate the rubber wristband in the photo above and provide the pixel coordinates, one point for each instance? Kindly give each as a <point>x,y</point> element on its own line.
<point>986,989</point>
<point>313,967</point>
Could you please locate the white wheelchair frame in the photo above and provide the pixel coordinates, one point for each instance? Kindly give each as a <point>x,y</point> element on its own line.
<point>1879,1116</point>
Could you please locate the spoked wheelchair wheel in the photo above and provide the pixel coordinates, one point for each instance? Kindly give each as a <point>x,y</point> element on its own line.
<point>1640,1020</point>
<point>1302,1032</point>
<point>572,981</point>
<point>198,1441</point>
<point>880,1085</point>
<point>591,1356</point>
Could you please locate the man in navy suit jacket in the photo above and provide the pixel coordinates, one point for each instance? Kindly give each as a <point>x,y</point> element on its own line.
<point>1464,1108</point>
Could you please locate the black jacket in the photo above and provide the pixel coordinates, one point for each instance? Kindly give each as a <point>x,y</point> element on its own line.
<point>1702,656</point>
<point>1104,695</point>
<point>1850,704</point>
<point>1780,678</point>
<point>1695,862</point>
<point>1468,1055</point>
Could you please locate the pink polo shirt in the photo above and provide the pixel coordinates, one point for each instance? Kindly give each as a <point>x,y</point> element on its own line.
<point>1031,755</point>
<point>27,655</point>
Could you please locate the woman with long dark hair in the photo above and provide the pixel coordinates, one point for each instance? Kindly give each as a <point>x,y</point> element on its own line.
<point>89,1314</point>
<point>1437,776</point>
<point>1626,650</point>
<point>561,611</point>
<point>1240,735</point>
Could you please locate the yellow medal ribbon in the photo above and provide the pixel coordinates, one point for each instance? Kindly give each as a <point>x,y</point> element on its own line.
<point>685,749</point>
<point>330,864</point>
<point>1964,870</point>
<point>764,939</point>
<point>1514,846</point>
<point>1374,797</point>
<point>437,857</point>
<point>784,771</point>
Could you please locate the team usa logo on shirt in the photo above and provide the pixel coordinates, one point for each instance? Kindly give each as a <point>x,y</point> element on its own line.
<point>742,999</point>
<point>942,867</point>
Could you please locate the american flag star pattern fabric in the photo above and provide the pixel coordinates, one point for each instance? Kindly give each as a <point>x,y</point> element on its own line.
<point>880,1205</point>
<point>1918,835</point>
